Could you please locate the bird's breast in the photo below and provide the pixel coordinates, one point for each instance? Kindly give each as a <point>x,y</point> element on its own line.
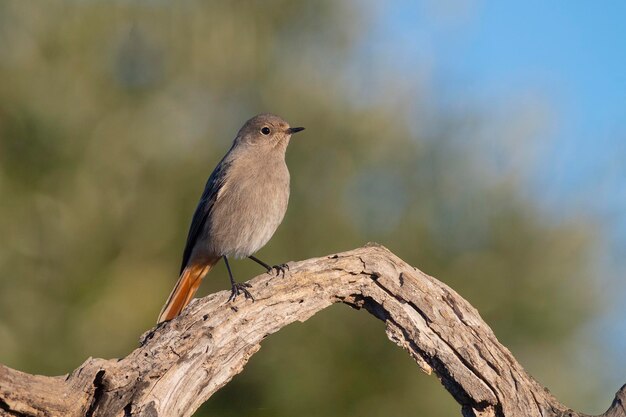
<point>249,208</point>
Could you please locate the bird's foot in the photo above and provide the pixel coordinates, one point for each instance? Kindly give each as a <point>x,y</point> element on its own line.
<point>280,269</point>
<point>240,288</point>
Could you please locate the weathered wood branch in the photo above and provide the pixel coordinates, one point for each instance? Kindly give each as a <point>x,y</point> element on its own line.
<point>182,363</point>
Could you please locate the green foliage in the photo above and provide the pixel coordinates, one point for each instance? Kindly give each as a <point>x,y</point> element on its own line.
<point>113,114</point>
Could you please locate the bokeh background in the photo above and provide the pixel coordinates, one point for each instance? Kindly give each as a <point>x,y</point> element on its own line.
<point>483,142</point>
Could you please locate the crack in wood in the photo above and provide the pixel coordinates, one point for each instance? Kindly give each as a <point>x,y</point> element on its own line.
<point>99,388</point>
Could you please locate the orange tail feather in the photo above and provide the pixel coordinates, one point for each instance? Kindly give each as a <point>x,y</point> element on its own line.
<point>184,290</point>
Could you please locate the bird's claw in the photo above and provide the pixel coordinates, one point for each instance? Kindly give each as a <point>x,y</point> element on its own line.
<point>240,288</point>
<point>280,269</point>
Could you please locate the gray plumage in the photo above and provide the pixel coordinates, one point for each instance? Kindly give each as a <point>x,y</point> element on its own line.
<point>243,203</point>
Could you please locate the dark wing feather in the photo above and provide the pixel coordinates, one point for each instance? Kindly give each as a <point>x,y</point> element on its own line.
<point>213,186</point>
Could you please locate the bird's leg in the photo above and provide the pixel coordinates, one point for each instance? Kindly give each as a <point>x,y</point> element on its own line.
<point>260,262</point>
<point>237,288</point>
<point>279,268</point>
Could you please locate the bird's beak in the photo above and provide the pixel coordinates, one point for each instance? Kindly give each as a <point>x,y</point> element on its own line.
<point>293,130</point>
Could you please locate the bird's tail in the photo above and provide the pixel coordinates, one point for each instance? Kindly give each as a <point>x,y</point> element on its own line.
<point>185,288</point>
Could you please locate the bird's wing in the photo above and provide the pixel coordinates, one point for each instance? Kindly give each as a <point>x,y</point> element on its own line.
<point>209,196</point>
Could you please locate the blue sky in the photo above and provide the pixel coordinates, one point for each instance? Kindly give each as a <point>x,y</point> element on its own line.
<point>573,51</point>
<point>570,54</point>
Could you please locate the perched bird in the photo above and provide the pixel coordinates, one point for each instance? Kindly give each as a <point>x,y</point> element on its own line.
<point>243,203</point>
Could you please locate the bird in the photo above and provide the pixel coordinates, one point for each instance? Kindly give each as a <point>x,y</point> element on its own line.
<point>243,203</point>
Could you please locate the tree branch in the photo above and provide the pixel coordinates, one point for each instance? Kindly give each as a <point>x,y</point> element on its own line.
<point>182,363</point>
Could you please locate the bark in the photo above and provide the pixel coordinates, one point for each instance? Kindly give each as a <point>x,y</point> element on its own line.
<point>180,364</point>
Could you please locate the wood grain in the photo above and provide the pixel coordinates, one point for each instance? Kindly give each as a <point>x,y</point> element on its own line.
<point>181,363</point>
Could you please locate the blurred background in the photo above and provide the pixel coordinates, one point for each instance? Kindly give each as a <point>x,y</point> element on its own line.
<point>483,142</point>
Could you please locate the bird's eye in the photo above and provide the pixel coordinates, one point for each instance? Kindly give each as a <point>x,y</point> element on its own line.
<point>265,130</point>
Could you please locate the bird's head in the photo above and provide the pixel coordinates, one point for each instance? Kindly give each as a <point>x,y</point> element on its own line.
<point>266,131</point>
